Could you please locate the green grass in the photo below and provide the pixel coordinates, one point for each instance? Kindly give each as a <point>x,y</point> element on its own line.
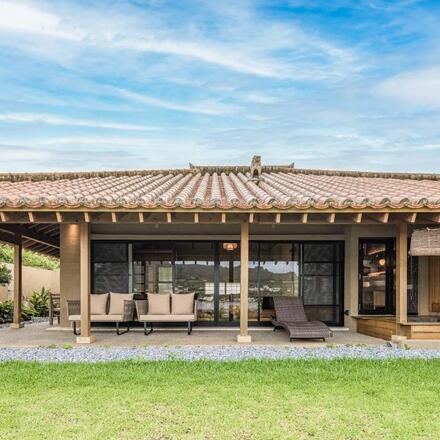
<point>343,399</point>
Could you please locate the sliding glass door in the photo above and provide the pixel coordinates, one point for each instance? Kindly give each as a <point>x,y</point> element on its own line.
<point>312,270</point>
<point>376,276</point>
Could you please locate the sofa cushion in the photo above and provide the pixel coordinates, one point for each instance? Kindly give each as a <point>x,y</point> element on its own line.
<point>158,303</point>
<point>98,318</point>
<point>182,303</point>
<point>167,318</point>
<point>117,302</point>
<point>98,304</point>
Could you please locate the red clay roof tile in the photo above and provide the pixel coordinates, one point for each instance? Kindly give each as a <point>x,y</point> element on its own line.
<point>281,188</point>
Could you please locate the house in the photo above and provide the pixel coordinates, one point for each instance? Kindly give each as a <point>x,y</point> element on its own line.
<point>238,236</point>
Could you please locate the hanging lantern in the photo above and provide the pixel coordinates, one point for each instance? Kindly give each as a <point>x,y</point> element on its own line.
<point>230,246</point>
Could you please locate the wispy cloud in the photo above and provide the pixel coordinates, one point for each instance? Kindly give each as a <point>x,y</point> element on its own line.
<point>206,107</point>
<point>129,84</point>
<point>418,88</point>
<point>37,118</point>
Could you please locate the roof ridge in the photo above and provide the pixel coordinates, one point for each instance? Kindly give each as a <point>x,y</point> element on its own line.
<point>70,175</point>
<point>371,174</point>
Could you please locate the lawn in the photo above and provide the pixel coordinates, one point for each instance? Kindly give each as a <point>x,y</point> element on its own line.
<point>343,399</point>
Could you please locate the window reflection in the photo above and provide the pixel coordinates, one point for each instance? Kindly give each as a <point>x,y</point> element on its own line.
<point>312,270</point>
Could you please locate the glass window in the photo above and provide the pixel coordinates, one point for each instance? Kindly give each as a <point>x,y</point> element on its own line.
<point>413,283</point>
<point>321,272</point>
<point>229,283</point>
<point>377,272</point>
<point>110,271</point>
<point>194,266</point>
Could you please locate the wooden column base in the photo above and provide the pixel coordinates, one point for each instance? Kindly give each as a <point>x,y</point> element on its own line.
<point>244,339</point>
<point>85,339</point>
<point>16,326</point>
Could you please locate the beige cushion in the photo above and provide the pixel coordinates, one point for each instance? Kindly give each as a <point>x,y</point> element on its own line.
<point>98,318</point>
<point>158,303</point>
<point>117,302</point>
<point>182,303</point>
<point>167,318</point>
<point>98,304</point>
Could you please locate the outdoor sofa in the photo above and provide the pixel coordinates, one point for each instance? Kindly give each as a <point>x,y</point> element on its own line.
<point>291,316</point>
<point>166,307</point>
<point>113,307</point>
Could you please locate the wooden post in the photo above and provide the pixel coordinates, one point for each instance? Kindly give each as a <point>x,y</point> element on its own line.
<point>18,286</point>
<point>244,282</point>
<point>401,277</point>
<point>86,337</point>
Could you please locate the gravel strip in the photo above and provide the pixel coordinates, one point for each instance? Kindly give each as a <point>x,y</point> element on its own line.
<point>36,320</point>
<point>216,353</point>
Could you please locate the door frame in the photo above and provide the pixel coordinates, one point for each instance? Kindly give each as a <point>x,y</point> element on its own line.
<point>390,246</point>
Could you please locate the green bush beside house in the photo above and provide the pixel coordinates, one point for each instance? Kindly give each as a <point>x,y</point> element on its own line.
<point>37,305</point>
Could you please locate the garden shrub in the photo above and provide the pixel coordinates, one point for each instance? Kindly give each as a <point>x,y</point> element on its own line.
<point>5,275</point>
<point>39,302</point>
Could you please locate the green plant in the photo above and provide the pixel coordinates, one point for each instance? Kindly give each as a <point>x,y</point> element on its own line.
<point>7,311</point>
<point>27,312</point>
<point>30,258</point>
<point>39,302</point>
<point>5,275</point>
<point>67,346</point>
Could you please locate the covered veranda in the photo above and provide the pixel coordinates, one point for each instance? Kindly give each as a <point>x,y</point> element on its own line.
<point>65,214</point>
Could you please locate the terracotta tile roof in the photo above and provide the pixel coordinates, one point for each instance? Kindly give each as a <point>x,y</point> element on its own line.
<point>221,188</point>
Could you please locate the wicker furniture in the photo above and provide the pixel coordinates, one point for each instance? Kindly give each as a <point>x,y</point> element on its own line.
<point>54,307</point>
<point>123,313</point>
<point>291,316</point>
<point>172,308</point>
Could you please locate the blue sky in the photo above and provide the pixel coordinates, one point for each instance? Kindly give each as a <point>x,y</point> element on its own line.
<point>156,84</point>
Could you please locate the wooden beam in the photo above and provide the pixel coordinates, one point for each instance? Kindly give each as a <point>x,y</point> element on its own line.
<point>223,217</point>
<point>244,283</point>
<point>412,217</point>
<point>169,217</point>
<point>141,217</point>
<point>277,218</point>
<point>18,285</point>
<point>401,274</point>
<point>8,238</point>
<point>358,217</point>
<point>251,217</point>
<point>304,218</point>
<point>31,234</point>
<point>114,217</point>
<point>84,284</point>
<point>434,217</point>
<point>31,217</point>
<point>59,217</point>
<point>383,218</point>
<point>86,217</point>
<point>331,217</point>
<point>2,216</point>
<point>196,217</point>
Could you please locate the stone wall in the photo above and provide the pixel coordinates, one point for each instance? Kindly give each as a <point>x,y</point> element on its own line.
<point>34,278</point>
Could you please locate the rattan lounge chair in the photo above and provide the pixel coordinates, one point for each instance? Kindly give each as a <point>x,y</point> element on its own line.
<point>291,316</point>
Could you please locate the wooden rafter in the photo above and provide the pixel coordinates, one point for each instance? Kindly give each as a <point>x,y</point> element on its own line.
<point>30,234</point>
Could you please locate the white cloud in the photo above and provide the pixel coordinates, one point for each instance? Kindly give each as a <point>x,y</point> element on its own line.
<point>40,118</point>
<point>420,88</point>
<point>23,18</point>
<point>247,44</point>
<point>205,107</point>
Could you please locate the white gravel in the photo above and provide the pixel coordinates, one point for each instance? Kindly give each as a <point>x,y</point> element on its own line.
<point>216,353</point>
